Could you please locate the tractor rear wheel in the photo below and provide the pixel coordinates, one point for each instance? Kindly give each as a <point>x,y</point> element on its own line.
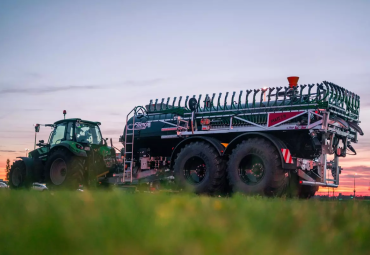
<point>64,170</point>
<point>254,167</point>
<point>18,178</point>
<point>200,169</point>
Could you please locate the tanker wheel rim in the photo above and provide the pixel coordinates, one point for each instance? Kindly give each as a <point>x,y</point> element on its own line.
<point>251,169</point>
<point>58,171</point>
<point>17,177</point>
<point>195,170</point>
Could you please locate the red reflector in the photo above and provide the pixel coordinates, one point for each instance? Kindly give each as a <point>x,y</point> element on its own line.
<point>300,182</point>
<point>205,121</point>
<point>339,151</point>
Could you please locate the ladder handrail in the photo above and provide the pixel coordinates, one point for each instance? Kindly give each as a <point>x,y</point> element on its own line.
<point>135,110</point>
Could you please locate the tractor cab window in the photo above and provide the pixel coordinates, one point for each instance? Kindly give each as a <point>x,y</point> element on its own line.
<point>88,133</point>
<point>58,134</point>
<point>69,133</point>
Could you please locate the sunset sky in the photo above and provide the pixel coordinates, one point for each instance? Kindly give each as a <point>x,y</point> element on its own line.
<point>98,59</point>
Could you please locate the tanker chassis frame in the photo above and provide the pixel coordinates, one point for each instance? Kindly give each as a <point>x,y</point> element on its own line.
<point>300,128</point>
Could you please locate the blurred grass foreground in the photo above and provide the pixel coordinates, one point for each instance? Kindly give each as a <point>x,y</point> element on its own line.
<point>118,223</point>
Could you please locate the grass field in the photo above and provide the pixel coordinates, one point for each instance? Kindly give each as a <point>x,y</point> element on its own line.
<point>118,223</point>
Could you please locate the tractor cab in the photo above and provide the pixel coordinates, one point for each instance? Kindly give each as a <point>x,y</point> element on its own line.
<point>75,134</point>
<point>76,130</point>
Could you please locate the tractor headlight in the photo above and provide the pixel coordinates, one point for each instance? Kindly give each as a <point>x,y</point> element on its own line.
<point>79,146</point>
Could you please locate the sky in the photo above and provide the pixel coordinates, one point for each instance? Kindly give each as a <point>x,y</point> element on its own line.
<point>99,59</point>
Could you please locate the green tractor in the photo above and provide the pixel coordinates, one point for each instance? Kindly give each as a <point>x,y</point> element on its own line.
<point>76,154</point>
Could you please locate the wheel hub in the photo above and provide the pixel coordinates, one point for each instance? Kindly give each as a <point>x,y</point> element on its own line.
<point>256,171</point>
<point>251,169</point>
<point>58,171</point>
<point>201,170</point>
<point>17,177</point>
<point>195,170</point>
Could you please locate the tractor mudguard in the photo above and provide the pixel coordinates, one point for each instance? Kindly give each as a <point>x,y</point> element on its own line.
<point>77,152</point>
<point>214,142</point>
<point>30,168</point>
<point>280,146</point>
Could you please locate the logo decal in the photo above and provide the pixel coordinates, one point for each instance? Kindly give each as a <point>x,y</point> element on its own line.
<point>277,118</point>
<point>140,125</point>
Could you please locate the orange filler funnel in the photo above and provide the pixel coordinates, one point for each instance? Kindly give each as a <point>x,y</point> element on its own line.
<point>293,81</point>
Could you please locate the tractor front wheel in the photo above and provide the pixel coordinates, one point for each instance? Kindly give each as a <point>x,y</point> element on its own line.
<point>18,178</point>
<point>64,170</point>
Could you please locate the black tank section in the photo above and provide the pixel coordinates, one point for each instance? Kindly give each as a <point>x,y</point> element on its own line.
<point>148,134</point>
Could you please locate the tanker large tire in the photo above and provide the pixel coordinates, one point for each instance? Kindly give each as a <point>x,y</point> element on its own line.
<point>300,191</point>
<point>64,170</point>
<point>200,169</point>
<point>18,178</point>
<point>254,167</point>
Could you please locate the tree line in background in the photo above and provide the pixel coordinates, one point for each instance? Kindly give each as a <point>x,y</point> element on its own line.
<point>7,168</point>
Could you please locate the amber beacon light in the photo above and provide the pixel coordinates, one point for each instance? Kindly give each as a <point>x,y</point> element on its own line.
<point>293,81</point>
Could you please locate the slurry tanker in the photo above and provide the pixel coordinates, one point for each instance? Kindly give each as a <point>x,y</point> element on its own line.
<point>272,141</point>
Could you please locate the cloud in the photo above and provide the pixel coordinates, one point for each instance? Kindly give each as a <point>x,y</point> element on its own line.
<point>362,167</point>
<point>33,110</point>
<point>112,132</point>
<point>2,116</point>
<point>33,75</point>
<point>45,89</point>
<point>51,89</point>
<point>143,83</point>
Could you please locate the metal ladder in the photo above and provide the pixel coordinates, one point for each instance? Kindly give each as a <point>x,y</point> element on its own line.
<point>129,145</point>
